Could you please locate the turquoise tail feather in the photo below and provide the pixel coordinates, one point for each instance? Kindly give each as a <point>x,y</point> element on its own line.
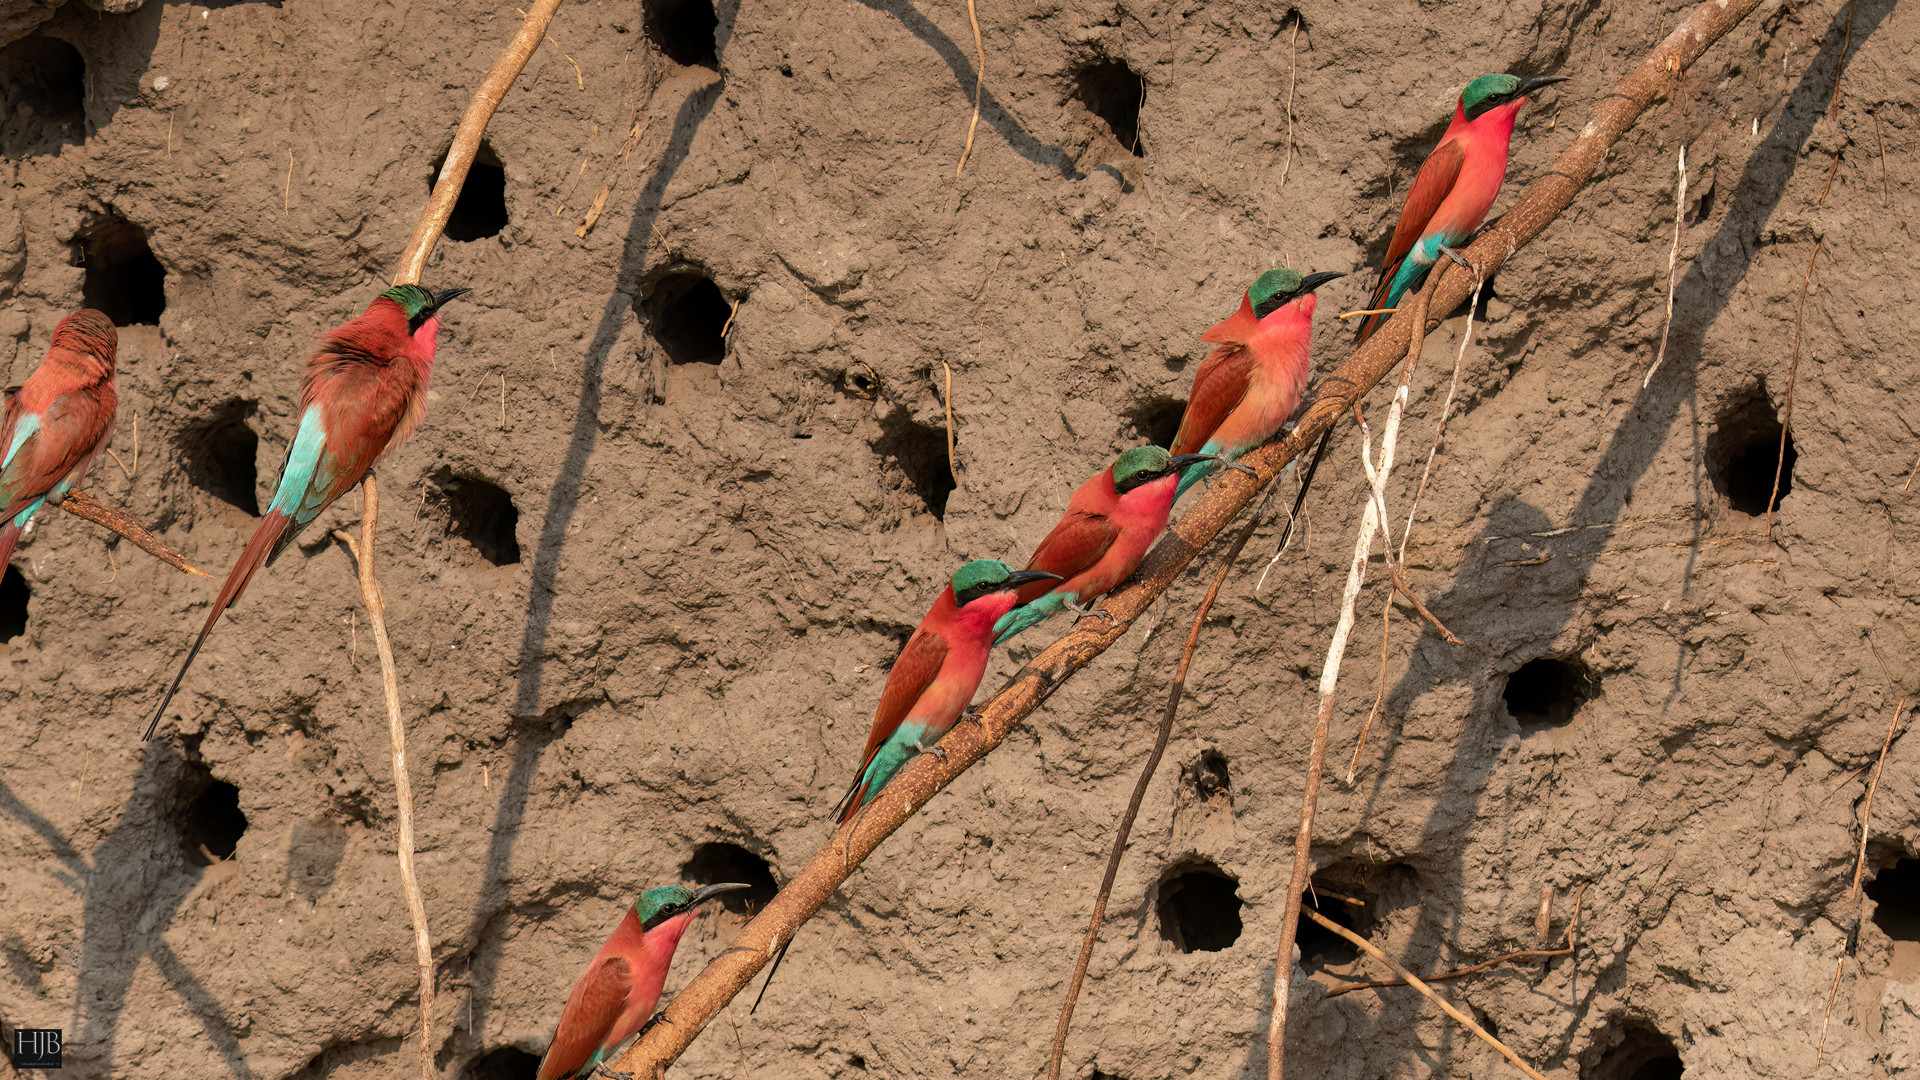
<point>894,753</point>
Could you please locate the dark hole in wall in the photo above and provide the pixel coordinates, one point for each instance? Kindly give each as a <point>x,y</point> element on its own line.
<point>1547,692</point>
<point>717,862</point>
<point>1113,92</point>
<point>1155,422</point>
<point>1319,946</point>
<point>211,823</point>
<point>684,30</point>
<point>921,453</point>
<point>1895,893</point>
<point>1641,1054</point>
<point>1102,1074</point>
<point>481,209</point>
<point>43,94</point>
<point>1743,451</point>
<point>123,279</point>
<point>1199,908</point>
<point>686,313</point>
<point>1210,777</point>
<point>482,514</point>
<point>14,595</point>
<point>222,455</point>
<point>857,1062</point>
<point>503,1063</point>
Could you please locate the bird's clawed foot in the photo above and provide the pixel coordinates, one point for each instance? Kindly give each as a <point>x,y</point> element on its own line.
<point>923,748</point>
<point>971,716</point>
<point>603,1070</point>
<point>1082,611</point>
<point>1461,259</point>
<point>1233,464</point>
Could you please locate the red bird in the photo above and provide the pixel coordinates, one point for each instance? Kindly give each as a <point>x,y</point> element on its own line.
<point>365,392</point>
<point>1250,385</point>
<point>57,421</point>
<point>1109,525</point>
<point>614,999</point>
<point>1456,185</point>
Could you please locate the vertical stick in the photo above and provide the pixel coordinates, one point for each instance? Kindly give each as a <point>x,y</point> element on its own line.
<point>402,786</point>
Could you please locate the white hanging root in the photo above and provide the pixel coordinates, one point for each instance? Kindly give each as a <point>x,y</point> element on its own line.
<point>1673,259</point>
<point>1446,410</point>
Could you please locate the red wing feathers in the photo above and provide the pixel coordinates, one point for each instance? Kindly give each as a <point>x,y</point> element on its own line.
<point>1218,388</point>
<point>918,665</point>
<point>1074,545</point>
<point>596,1002</point>
<point>1431,186</point>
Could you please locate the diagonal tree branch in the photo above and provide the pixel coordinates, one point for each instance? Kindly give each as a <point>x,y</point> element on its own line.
<point>810,888</point>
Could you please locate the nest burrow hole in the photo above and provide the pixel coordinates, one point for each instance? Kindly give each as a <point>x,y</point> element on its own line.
<point>1157,421</point>
<point>1641,1053</point>
<point>502,1063</point>
<point>1895,893</point>
<point>1547,692</point>
<point>122,277</point>
<point>1320,947</point>
<point>1744,450</point>
<point>717,862</point>
<point>920,452</point>
<point>481,513</point>
<point>1113,92</point>
<point>1210,777</point>
<point>481,209</point>
<point>1199,907</point>
<point>685,30</point>
<point>222,455</point>
<point>14,596</point>
<point>687,314</point>
<point>211,823</point>
<point>43,80</point>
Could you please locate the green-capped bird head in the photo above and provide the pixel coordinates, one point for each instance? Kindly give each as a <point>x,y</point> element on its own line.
<point>1277,288</point>
<point>1489,92</point>
<point>419,304</point>
<point>1145,464</point>
<point>656,906</point>
<point>984,577</point>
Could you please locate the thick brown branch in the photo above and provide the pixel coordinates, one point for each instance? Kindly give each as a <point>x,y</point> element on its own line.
<point>815,882</point>
<point>80,504</point>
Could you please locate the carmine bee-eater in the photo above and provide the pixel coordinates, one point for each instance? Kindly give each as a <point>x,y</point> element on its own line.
<point>57,421</point>
<point>937,672</point>
<point>1455,187</point>
<point>1250,385</point>
<point>1109,525</point>
<point>614,999</point>
<point>365,392</point>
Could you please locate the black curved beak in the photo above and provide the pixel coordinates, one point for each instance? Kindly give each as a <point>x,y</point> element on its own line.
<point>1534,82</point>
<point>1028,577</point>
<point>1181,461</point>
<point>1315,280</point>
<point>708,892</point>
<point>445,295</point>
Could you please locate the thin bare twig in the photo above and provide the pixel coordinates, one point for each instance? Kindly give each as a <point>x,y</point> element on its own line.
<point>1446,411</point>
<point>1859,871</point>
<point>946,402</point>
<point>1673,262</point>
<point>1414,981</point>
<point>1840,66</point>
<point>397,735</point>
<point>1379,693</point>
<point>810,888</point>
<point>1506,958</point>
<point>979,85</point>
<point>1293,69</point>
<point>1793,376</point>
<point>1139,796</point>
<point>80,504</point>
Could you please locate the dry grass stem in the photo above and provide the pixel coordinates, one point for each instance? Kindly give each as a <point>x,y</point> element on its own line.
<point>1866,812</point>
<point>82,505</point>
<point>1673,262</point>
<point>946,403</point>
<point>1379,693</point>
<point>1414,981</point>
<point>1546,909</point>
<point>362,553</point>
<point>1133,804</point>
<point>1831,173</point>
<point>1446,411</point>
<point>1793,376</point>
<point>1840,68</point>
<point>1293,69</point>
<point>1885,198</point>
<point>979,86</point>
<point>1345,315</point>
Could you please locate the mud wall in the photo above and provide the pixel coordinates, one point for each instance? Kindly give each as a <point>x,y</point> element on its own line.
<point>683,491</point>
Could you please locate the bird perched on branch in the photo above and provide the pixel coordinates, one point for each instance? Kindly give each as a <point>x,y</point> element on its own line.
<point>1250,385</point>
<point>57,421</point>
<point>1456,185</point>
<point>365,392</point>
<point>614,999</point>
<point>938,670</point>
<point>1109,525</point>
